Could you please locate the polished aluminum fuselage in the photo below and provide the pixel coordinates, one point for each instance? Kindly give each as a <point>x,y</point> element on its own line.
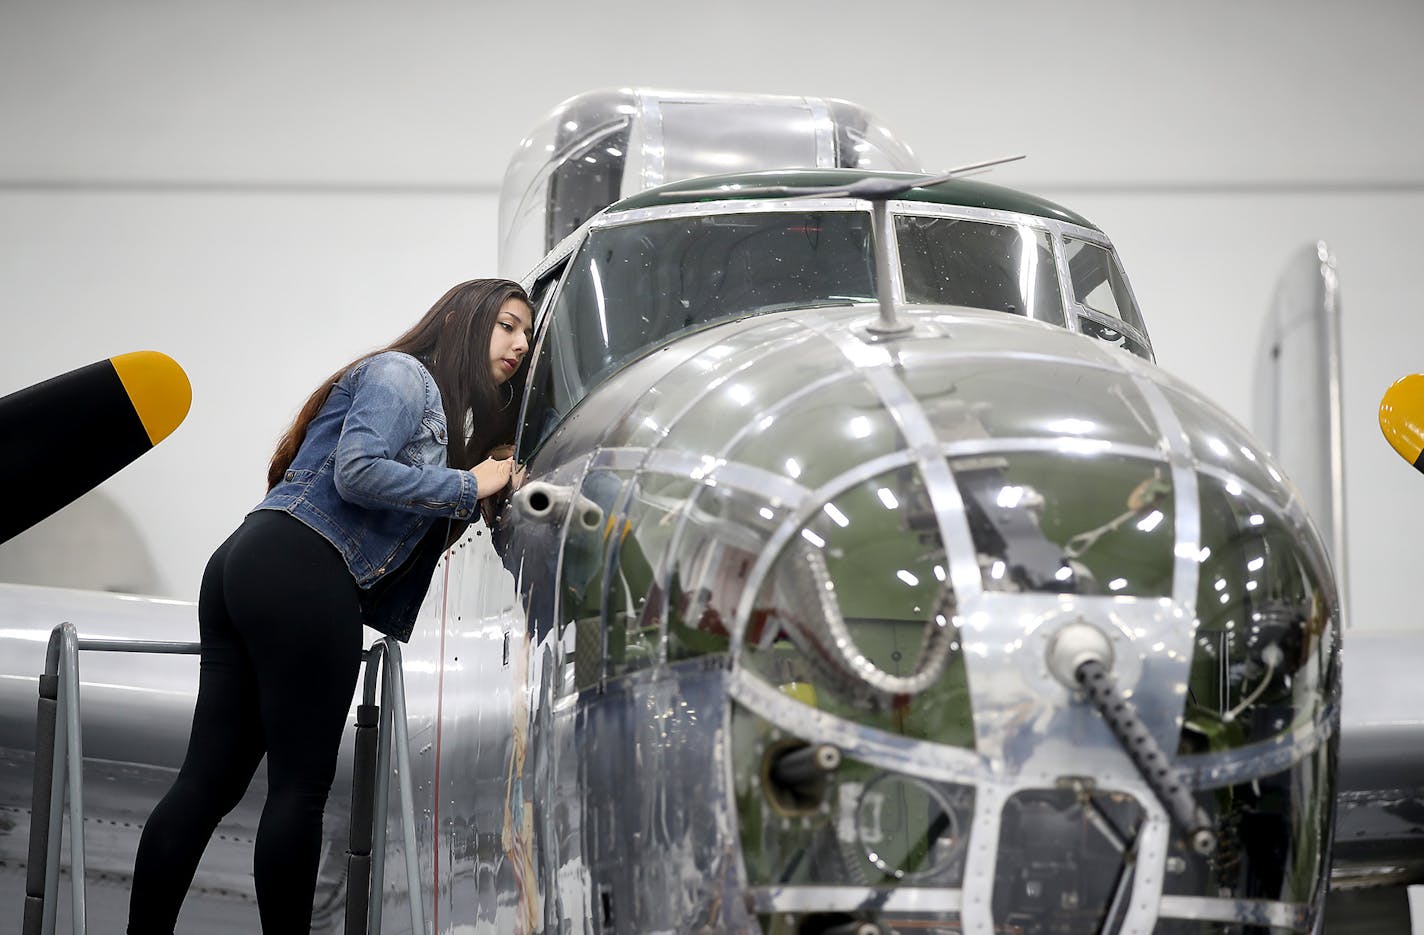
<point>715,417</point>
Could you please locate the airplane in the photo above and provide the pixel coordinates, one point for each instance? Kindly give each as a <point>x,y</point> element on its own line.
<point>866,575</point>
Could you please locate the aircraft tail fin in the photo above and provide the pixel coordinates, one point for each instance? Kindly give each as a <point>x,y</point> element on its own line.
<point>1297,408</point>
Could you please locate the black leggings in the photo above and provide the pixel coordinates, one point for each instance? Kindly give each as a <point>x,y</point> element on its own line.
<point>281,633</point>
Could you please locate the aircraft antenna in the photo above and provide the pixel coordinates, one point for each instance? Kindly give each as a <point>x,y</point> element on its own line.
<point>881,234</point>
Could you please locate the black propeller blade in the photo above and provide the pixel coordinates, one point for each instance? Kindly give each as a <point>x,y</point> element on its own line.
<point>63,437</point>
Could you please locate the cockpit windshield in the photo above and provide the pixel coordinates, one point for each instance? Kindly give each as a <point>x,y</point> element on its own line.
<point>632,286</point>
<point>635,285</point>
<point>1097,281</point>
<point>1000,267</point>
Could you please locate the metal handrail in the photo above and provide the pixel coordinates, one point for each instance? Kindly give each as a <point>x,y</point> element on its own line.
<point>366,853</point>
<point>58,744</point>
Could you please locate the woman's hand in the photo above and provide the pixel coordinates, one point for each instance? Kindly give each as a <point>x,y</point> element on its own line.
<point>492,475</point>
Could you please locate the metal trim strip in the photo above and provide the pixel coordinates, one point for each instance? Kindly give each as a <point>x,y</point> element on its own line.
<point>1293,916</point>
<point>768,899</point>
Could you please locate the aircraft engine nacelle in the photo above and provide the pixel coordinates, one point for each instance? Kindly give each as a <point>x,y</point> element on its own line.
<point>804,673</point>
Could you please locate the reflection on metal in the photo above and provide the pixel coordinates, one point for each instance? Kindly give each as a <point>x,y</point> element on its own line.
<point>540,502</point>
<point>851,899</point>
<point>1247,911</point>
<point>733,502</point>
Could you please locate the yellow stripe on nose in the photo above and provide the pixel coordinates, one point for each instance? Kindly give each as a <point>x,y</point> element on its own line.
<point>158,389</point>
<point>1401,417</point>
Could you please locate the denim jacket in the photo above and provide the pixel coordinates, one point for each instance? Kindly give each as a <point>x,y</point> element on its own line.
<point>371,477</point>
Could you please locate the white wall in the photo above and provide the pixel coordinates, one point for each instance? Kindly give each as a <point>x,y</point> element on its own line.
<point>264,190</point>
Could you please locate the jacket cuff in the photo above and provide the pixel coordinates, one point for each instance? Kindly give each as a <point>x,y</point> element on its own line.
<point>467,504</point>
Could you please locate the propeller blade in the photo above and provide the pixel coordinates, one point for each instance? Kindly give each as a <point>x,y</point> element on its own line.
<point>65,436</point>
<point>1401,418</point>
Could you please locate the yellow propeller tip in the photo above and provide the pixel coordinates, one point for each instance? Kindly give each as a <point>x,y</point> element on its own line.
<point>158,389</point>
<point>1401,417</point>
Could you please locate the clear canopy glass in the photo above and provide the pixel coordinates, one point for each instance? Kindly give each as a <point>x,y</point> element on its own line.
<point>1099,283</point>
<point>633,286</point>
<point>602,146</point>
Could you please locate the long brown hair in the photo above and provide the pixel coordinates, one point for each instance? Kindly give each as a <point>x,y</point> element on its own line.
<point>452,340</point>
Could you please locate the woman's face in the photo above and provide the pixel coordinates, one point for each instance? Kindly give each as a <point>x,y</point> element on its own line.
<point>509,342</point>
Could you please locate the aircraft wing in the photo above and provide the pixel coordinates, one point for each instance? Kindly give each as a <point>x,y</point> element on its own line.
<point>1379,818</point>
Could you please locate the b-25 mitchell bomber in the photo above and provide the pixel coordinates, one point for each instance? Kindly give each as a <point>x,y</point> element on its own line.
<point>865,575</point>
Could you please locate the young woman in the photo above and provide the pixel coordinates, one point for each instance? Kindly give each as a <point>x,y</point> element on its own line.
<point>382,468</point>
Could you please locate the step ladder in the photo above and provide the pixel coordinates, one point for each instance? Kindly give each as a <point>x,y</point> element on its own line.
<point>59,759</point>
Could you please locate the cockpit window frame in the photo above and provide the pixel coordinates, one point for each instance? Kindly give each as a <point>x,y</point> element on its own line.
<point>1073,310</point>
<point>1077,310</point>
<point>571,244</point>
<point>899,209</point>
<point>553,269</point>
<point>1074,313</point>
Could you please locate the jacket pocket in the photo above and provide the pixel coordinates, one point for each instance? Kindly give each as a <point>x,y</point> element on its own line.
<point>430,444</point>
<point>436,428</point>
